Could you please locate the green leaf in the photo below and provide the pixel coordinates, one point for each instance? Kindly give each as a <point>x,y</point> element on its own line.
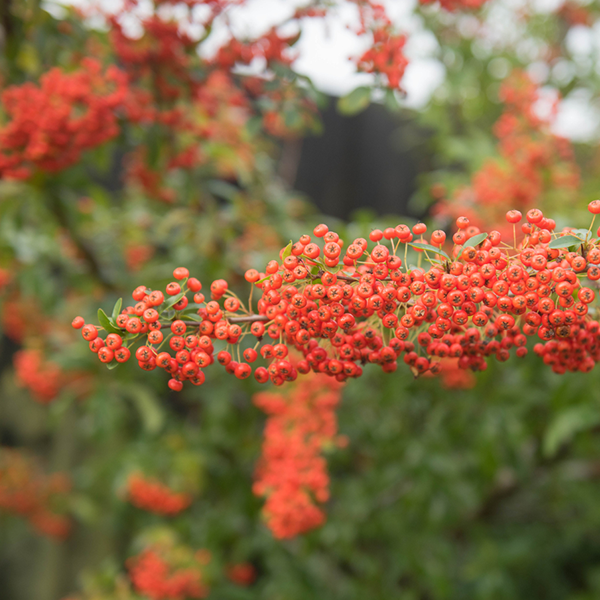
<point>428,248</point>
<point>106,322</point>
<point>84,508</point>
<point>112,365</point>
<point>391,101</point>
<point>475,240</point>
<point>566,424</point>
<point>287,251</point>
<point>584,234</point>
<point>564,242</point>
<point>174,300</point>
<point>355,101</point>
<point>117,309</point>
<point>263,279</point>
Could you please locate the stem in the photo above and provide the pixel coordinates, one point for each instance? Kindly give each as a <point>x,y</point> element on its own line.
<point>232,320</point>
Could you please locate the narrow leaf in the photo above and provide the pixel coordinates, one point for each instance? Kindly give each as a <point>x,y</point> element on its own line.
<point>287,251</point>
<point>475,240</point>
<point>428,248</point>
<point>117,308</point>
<point>564,242</point>
<point>355,101</point>
<point>174,300</point>
<point>106,322</point>
<point>566,425</point>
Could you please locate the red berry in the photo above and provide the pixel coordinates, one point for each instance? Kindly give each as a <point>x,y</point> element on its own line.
<point>134,325</point>
<point>114,341</point>
<point>243,370</point>
<point>594,207</point>
<point>252,276</point>
<point>173,288</point>
<point>462,222</point>
<point>139,293</point>
<point>376,235</point>
<point>250,354</point>
<point>194,284</point>
<point>513,216</point>
<point>438,237</point>
<point>181,304</point>
<point>175,385</point>
<point>89,332</point>
<point>150,315</point>
<point>224,358</point>
<point>105,354</point>
<point>122,354</point>
<point>320,230</point>
<point>96,344</point>
<point>155,298</point>
<point>78,323</point>
<point>181,273</point>
<point>535,215</point>
<point>261,375</point>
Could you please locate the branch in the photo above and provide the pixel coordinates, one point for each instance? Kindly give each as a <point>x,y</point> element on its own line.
<point>231,320</point>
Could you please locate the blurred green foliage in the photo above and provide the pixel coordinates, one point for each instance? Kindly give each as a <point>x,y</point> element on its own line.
<point>488,493</point>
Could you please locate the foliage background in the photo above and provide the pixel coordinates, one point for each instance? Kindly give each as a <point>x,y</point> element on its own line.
<point>482,493</point>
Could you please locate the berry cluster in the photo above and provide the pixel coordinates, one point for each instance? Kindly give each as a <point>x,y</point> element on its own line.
<point>26,492</point>
<point>453,5</point>
<point>161,573</point>
<point>574,13</point>
<point>53,124</point>
<point>385,57</point>
<point>292,472</point>
<point>5,278</point>
<point>533,162</point>
<point>242,574</point>
<point>154,496</point>
<point>41,377</point>
<point>342,308</point>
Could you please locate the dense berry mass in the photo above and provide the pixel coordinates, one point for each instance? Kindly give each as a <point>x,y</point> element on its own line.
<point>337,307</point>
